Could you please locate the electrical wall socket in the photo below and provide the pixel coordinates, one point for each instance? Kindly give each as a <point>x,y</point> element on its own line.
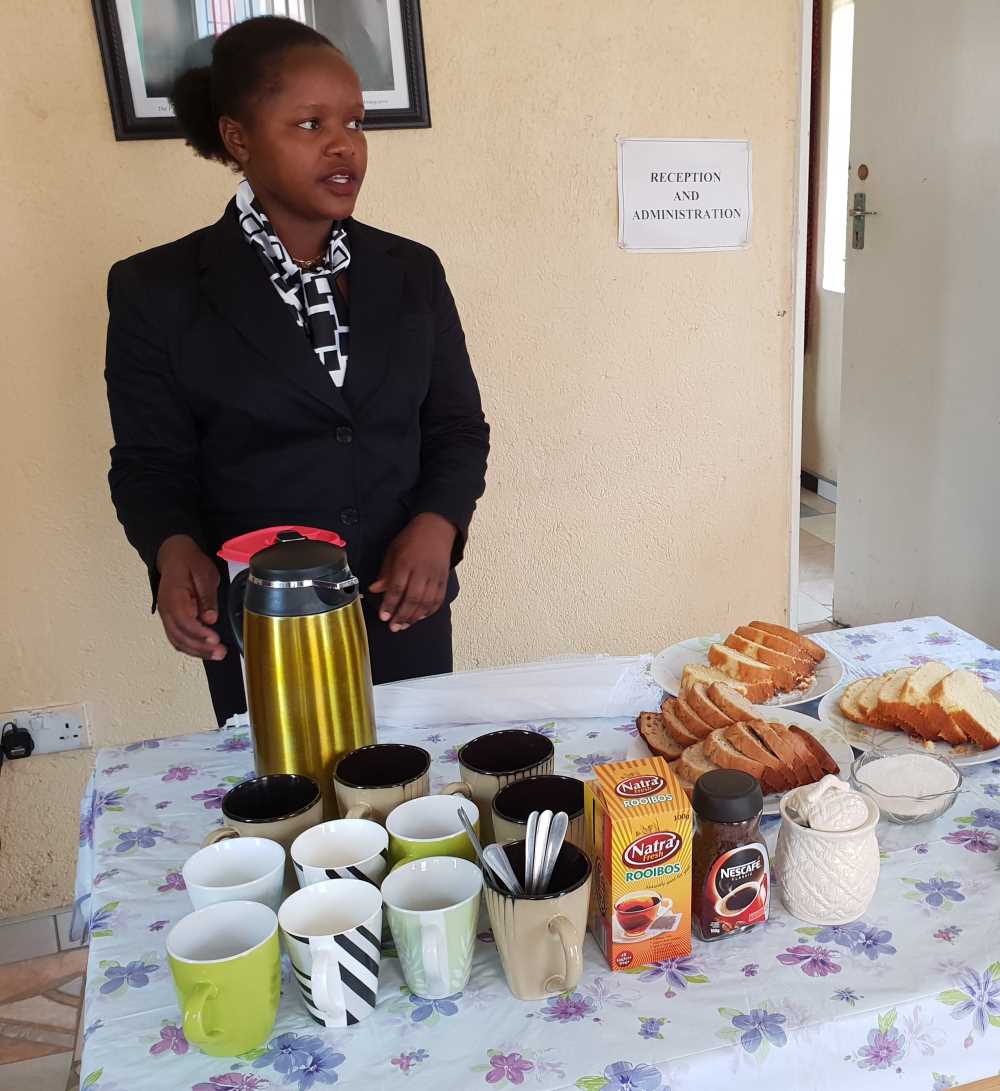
<point>60,727</point>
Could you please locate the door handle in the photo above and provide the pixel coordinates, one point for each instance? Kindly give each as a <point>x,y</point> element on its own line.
<point>858,212</point>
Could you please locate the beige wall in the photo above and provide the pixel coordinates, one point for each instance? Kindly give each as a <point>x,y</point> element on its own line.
<point>639,484</point>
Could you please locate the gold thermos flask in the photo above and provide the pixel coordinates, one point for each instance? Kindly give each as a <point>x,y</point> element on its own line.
<point>305,650</point>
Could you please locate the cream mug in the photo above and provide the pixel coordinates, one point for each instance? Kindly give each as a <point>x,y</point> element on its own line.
<point>493,761</point>
<point>513,804</point>
<point>373,780</point>
<point>540,936</point>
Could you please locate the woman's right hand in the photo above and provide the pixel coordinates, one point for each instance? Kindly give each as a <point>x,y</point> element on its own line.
<point>187,599</point>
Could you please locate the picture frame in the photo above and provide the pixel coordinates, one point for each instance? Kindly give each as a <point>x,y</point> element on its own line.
<point>145,44</point>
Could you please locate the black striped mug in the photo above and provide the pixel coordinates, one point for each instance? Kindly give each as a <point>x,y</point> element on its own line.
<point>344,848</point>
<point>332,931</point>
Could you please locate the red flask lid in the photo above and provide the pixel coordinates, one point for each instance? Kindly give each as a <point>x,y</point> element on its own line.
<point>240,550</point>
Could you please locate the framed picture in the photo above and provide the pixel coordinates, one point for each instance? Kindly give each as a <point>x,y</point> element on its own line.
<point>146,44</point>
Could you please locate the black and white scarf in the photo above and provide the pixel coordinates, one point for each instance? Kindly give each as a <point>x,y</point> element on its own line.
<point>309,293</point>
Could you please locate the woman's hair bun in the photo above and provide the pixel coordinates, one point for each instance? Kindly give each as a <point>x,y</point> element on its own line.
<point>198,118</point>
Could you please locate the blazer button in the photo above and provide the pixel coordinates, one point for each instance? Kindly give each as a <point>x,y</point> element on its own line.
<point>345,435</point>
<point>349,516</point>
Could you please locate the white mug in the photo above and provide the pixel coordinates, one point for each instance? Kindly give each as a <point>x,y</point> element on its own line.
<point>248,869</point>
<point>433,907</point>
<point>333,935</point>
<point>344,848</point>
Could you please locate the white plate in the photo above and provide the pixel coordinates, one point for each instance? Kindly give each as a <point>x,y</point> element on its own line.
<point>872,738</point>
<point>668,666</point>
<point>837,746</point>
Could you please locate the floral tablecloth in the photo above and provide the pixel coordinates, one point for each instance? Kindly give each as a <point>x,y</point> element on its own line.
<point>907,997</point>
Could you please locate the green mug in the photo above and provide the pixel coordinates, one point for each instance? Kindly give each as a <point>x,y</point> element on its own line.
<point>225,962</point>
<point>431,826</point>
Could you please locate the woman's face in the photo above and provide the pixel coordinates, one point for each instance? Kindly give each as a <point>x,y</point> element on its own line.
<point>304,149</point>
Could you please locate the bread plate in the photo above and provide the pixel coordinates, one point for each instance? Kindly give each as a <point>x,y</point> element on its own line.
<point>668,666</point>
<point>866,738</point>
<point>837,746</point>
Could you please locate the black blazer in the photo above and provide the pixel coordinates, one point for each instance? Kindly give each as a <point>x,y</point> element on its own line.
<point>225,421</point>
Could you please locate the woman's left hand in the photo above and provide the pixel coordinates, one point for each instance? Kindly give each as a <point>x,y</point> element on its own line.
<point>414,576</point>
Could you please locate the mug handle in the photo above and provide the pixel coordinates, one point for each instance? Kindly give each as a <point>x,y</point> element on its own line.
<point>193,1021</point>
<point>327,990</point>
<point>434,954</point>
<point>359,810</point>
<point>223,833</point>
<point>457,788</point>
<point>563,928</point>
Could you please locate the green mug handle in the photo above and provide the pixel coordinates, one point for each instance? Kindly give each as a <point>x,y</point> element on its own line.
<point>194,1014</point>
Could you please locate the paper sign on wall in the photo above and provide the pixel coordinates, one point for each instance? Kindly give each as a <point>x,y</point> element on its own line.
<point>683,194</point>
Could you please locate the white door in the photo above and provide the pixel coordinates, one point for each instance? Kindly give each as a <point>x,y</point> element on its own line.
<point>918,514</point>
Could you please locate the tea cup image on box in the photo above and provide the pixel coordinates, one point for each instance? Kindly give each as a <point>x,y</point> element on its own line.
<point>642,914</point>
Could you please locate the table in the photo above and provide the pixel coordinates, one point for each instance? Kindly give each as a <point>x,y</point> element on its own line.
<point>908,997</point>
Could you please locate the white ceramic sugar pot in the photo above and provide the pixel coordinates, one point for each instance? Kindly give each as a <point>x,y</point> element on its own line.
<point>827,857</point>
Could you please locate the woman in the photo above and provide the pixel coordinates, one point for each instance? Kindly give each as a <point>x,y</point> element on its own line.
<point>289,364</point>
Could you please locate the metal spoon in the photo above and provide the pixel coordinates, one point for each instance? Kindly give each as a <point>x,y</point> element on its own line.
<point>557,835</point>
<point>500,866</point>
<point>538,858</point>
<point>471,834</point>
<point>529,849</point>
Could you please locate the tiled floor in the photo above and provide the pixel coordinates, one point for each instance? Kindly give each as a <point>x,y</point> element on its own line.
<point>817,531</point>
<point>41,985</point>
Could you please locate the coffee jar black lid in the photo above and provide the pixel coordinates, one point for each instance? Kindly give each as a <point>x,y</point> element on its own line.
<point>295,557</point>
<point>728,795</point>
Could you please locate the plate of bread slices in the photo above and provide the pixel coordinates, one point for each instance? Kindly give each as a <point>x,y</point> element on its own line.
<point>929,706</point>
<point>713,726</point>
<point>768,664</point>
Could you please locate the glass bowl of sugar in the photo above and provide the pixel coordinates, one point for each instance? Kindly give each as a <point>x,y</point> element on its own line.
<point>908,787</point>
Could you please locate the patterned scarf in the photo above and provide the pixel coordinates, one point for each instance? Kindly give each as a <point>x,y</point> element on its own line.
<point>310,293</point>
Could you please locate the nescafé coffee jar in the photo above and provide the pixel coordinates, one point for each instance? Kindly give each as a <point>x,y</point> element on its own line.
<point>730,872</point>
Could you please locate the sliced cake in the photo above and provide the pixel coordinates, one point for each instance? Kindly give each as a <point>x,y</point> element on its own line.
<point>694,762</point>
<point>888,697</point>
<point>675,727</point>
<point>849,700</point>
<point>726,756</point>
<point>810,647</point>
<point>742,667</point>
<point>777,776</point>
<point>701,704</point>
<point>962,698</point>
<point>731,702</point>
<point>757,691</point>
<point>823,756</point>
<point>911,708</point>
<point>658,739</point>
<point>691,720</point>
<point>798,666</point>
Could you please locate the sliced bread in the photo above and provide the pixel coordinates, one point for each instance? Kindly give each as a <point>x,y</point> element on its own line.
<point>777,777</point>
<point>739,666</point>
<point>726,756</point>
<point>769,640</point>
<point>823,756</point>
<point>657,738</point>
<point>731,702</point>
<point>775,738</point>
<point>799,666</point>
<point>675,727</point>
<point>970,707</point>
<point>804,752</point>
<point>743,665</point>
<point>849,700</point>
<point>691,720</point>
<point>914,697</point>
<point>810,647</point>
<point>868,698</point>
<point>888,697</point>
<point>694,763</point>
<point>756,691</point>
<point>701,704</point>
